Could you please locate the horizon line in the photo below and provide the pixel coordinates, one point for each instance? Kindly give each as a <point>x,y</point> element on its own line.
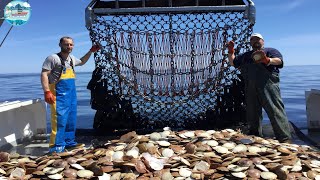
<point>81,71</point>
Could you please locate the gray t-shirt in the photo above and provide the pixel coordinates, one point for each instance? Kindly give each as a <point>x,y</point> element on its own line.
<point>53,64</point>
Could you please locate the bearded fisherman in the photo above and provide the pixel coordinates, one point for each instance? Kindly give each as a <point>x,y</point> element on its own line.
<point>260,70</point>
<point>58,83</point>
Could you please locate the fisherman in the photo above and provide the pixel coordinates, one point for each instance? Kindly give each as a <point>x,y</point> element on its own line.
<point>58,83</point>
<point>260,70</point>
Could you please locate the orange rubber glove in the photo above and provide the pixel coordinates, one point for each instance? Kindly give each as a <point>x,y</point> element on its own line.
<point>95,48</point>
<point>49,97</point>
<point>230,46</point>
<point>261,57</point>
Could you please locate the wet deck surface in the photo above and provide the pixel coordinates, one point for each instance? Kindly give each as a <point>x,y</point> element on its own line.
<point>39,145</point>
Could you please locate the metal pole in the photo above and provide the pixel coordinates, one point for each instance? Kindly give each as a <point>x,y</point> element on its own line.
<point>6,36</point>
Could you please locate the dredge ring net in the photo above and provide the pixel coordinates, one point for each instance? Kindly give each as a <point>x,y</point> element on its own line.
<point>166,69</point>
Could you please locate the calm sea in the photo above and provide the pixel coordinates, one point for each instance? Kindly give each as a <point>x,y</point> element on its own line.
<point>295,80</point>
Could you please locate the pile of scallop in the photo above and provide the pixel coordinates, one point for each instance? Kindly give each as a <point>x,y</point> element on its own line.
<point>167,155</point>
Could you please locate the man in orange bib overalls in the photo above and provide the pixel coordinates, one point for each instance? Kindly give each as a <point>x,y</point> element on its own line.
<point>58,83</point>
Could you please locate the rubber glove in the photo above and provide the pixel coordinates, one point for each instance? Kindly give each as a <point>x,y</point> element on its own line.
<point>95,48</point>
<point>261,57</point>
<point>49,97</point>
<point>230,47</point>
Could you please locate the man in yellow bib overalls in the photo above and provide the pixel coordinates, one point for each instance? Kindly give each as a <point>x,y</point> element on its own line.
<point>58,83</point>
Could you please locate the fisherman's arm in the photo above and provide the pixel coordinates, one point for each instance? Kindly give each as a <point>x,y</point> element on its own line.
<point>45,80</point>
<point>86,57</point>
<point>275,61</point>
<point>270,57</point>
<point>231,55</point>
<point>48,95</point>
<point>276,58</point>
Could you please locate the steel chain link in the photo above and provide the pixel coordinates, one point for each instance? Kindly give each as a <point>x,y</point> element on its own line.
<point>176,81</point>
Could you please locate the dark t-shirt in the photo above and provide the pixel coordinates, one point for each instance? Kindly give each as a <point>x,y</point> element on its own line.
<point>246,58</point>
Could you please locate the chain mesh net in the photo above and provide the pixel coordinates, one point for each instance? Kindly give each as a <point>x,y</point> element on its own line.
<point>167,69</point>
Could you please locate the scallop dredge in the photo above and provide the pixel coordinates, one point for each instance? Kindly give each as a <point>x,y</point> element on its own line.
<point>168,66</point>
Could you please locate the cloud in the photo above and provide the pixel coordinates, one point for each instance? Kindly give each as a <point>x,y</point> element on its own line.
<point>47,38</point>
<point>83,43</point>
<point>294,4</point>
<point>79,34</point>
<point>281,6</point>
<point>301,40</point>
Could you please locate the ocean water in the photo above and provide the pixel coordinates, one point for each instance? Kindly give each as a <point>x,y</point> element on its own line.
<point>295,80</point>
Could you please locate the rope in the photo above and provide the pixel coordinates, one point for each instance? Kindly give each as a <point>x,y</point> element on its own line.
<point>305,138</point>
<point>5,37</point>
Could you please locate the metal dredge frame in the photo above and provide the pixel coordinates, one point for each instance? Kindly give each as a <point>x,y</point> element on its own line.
<point>167,60</point>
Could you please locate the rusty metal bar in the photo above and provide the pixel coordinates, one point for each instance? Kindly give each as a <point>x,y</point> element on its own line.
<point>159,10</point>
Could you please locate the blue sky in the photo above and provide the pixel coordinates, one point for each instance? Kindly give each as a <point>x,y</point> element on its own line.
<point>291,26</point>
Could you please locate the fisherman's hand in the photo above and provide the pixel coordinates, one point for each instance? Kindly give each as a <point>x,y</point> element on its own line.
<point>261,57</point>
<point>95,48</point>
<point>230,46</point>
<point>49,97</point>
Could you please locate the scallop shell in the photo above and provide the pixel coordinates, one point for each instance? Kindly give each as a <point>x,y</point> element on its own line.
<point>268,175</point>
<point>71,160</point>
<point>240,148</point>
<point>262,167</point>
<point>77,166</point>
<point>212,143</point>
<point>316,163</point>
<point>189,134</point>
<point>165,134</point>
<point>167,152</point>
<point>134,152</point>
<point>155,136</point>
<point>85,173</point>
<point>55,176</point>
<point>254,173</point>
<point>202,166</point>
<point>117,156</point>
<point>202,134</point>
<point>229,145</point>
<point>51,170</point>
<point>297,166</point>
<point>156,164</point>
<point>185,172</point>
<point>236,168</point>
<point>163,143</point>
<point>184,161</point>
<point>17,173</point>
<point>209,154</point>
<point>105,176</point>
<point>254,149</point>
<point>119,147</point>
<point>4,157</point>
<point>70,173</point>
<point>167,176</point>
<point>239,174</point>
<point>221,150</point>
<point>2,171</point>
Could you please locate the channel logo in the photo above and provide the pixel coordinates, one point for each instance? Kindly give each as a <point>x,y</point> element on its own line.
<point>17,12</point>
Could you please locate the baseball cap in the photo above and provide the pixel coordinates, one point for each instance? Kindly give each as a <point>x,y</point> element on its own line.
<point>256,35</point>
